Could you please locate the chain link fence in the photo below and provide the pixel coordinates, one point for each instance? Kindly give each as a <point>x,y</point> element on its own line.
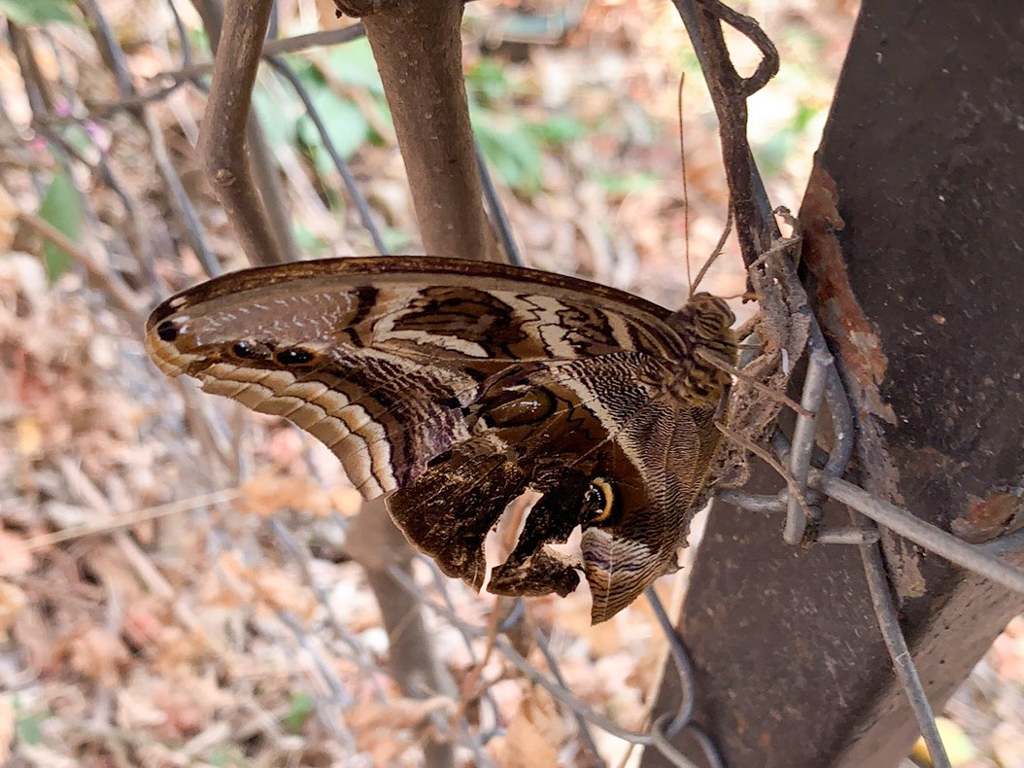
<point>336,665</point>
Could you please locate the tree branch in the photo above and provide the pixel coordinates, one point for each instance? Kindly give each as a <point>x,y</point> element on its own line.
<point>418,48</point>
<point>223,143</point>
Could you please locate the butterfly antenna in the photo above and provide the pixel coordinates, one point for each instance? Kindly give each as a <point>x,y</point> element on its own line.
<point>719,247</point>
<point>748,328</point>
<point>745,295</point>
<point>686,208</point>
<point>686,189</point>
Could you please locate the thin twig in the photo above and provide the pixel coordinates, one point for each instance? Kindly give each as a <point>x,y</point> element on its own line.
<point>134,517</point>
<point>418,48</point>
<point>779,246</point>
<point>113,55</point>
<point>270,48</point>
<point>362,206</point>
<point>117,290</point>
<point>768,459</point>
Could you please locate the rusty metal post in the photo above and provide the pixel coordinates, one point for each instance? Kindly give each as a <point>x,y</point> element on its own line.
<point>915,261</point>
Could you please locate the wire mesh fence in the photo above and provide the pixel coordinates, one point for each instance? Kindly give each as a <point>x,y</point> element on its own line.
<point>270,561</point>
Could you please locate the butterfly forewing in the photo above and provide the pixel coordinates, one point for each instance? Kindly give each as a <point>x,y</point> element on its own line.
<point>460,385</point>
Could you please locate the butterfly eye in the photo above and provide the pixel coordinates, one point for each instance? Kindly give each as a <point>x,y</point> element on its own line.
<point>598,501</point>
<point>294,356</point>
<point>167,331</point>
<point>251,350</point>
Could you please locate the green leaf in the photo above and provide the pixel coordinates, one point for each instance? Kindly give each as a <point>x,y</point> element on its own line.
<point>353,64</point>
<point>200,42</point>
<point>513,153</point>
<point>396,239</point>
<point>625,183</point>
<point>29,12</point>
<point>302,706</point>
<point>62,208</point>
<point>774,152</point>
<point>308,243</point>
<point>487,82</point>
<point>226,756</point>
<point>278,128</point>
<point>558,129</point>
<point>345,124</point>
<point>76,135</point>
<point>30,728</point>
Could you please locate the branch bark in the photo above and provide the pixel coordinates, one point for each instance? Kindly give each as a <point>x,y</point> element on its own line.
<point>755,226</point>
<point>376,544</point>
<point>418,48</point>
<point>229,135</point>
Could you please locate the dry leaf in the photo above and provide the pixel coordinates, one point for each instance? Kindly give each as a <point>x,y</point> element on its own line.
<point>267,585</point>
<point>376,725</point>
<point>1008,651</point>
<point>12,603</point>
<point>348,501</point>
<point>29,437</point>
<point>185,717</point>
<point>8,225</point>
<point>267,493</point>
<point>281,591</point>
<point>6,729</point>
<point>99,655</point>
<point>535,733</point>
<point>398,713</point>
<point>221,588</point>
<point>15,558</point>
<point>180,648</point>
<point>116,573</point>
<point>285,448</point>
<point>327,13</point>
<point>136,710</point>
<point>144,622</point>
<point>44,756</point>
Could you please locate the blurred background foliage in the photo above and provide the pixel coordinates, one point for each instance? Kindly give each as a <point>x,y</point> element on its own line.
<point>102,660</point>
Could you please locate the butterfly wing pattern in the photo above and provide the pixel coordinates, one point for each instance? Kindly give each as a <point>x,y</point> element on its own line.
<point>456,386</point>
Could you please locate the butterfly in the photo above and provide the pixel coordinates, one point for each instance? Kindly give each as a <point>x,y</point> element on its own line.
<point>457,386</point>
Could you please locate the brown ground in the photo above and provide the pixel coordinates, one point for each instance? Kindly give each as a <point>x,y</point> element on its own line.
<point>138,634</point>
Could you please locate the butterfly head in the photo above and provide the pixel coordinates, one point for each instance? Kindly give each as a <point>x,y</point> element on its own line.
<point>705,320</point>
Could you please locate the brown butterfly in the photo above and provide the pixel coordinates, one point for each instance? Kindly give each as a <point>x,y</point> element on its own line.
<point>457,386</point>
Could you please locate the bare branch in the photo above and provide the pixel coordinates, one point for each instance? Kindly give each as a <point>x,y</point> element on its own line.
<point>223,140</point>
<point>419,52</point>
